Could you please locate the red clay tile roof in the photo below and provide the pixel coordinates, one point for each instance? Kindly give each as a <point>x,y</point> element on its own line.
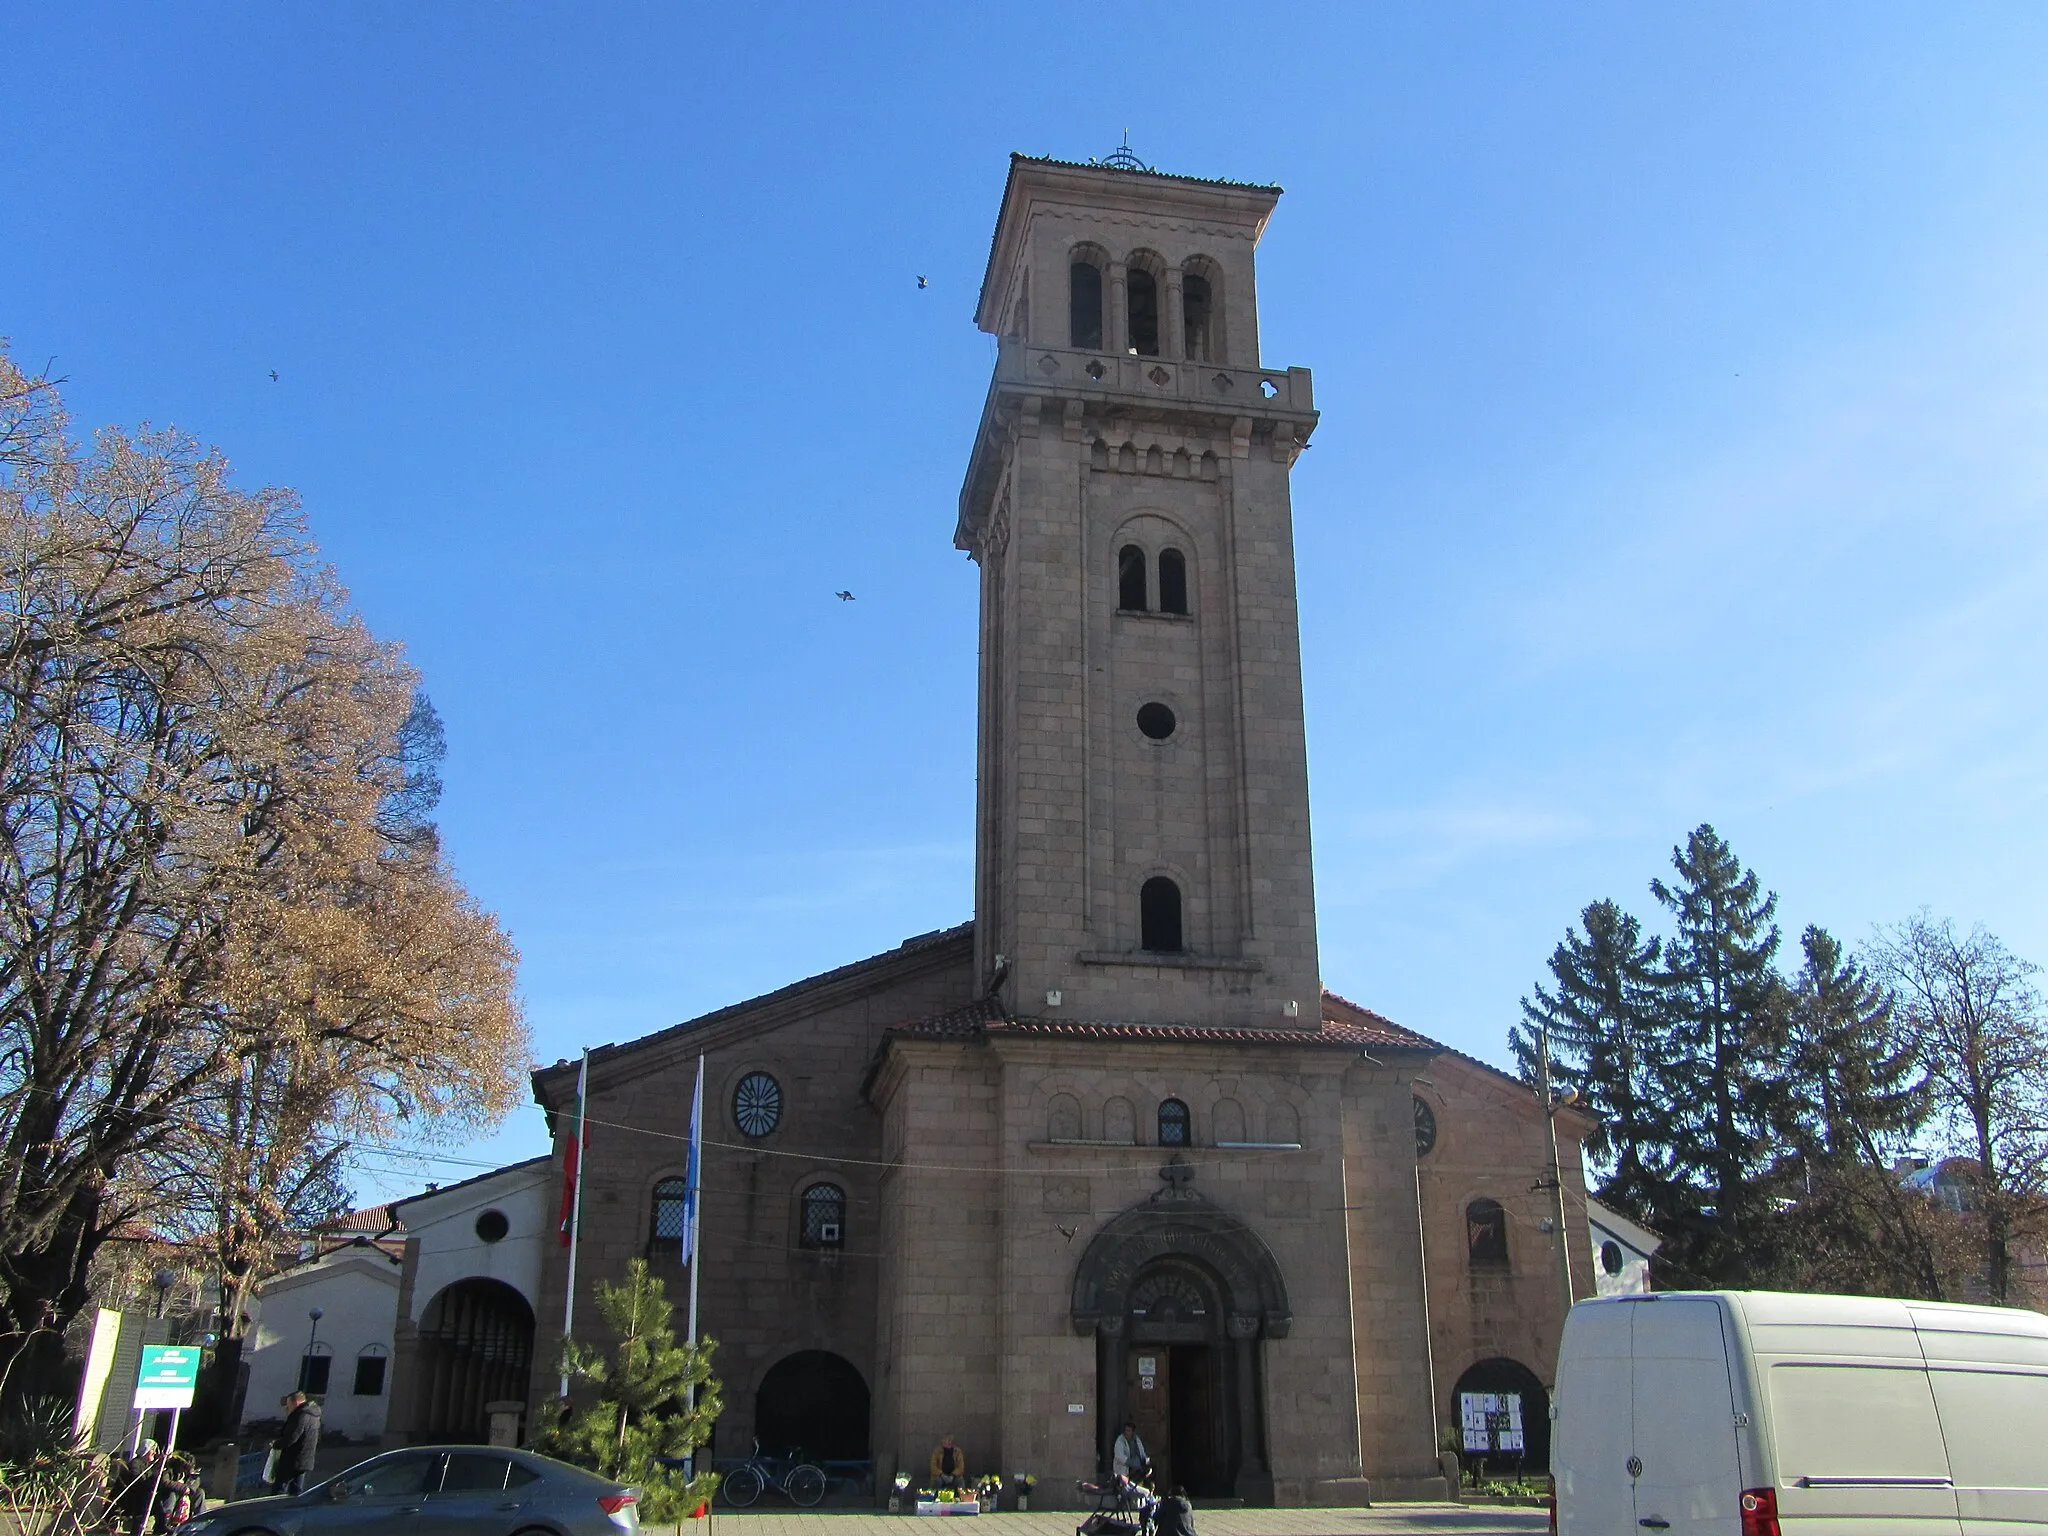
<point>372,1219</point>
<point>1344,1023</point>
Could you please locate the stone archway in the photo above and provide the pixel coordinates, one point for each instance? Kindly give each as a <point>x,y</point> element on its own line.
<point>1192,1292</point>
<point>815,1402</point>
<point>1495,1403</point>
<point>474,1347</point>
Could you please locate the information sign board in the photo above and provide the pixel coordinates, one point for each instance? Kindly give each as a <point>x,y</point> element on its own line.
<point>168,1377</point>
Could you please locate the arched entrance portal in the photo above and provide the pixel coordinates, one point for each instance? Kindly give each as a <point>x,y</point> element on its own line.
<point>475,1348</point>
<point>1180,1298</point>
<point>1503,1416</point>
<point>815,1402</point>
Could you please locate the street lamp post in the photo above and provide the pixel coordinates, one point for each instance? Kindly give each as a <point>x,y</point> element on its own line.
<point>312,1339</point>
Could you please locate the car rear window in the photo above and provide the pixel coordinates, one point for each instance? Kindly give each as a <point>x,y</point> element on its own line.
<point>520,1476</point>
<point>1997,1423</point>
<point>470,1472</point>
<point>1854,1421</point>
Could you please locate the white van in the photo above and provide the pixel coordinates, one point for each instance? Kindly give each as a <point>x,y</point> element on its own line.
<point>1750,1413</point>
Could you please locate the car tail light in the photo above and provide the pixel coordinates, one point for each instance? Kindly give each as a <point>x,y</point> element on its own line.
<point>1760,1512</point>
<point>623,1510</point>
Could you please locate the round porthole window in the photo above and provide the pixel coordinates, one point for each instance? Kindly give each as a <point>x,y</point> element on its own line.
<point>1425,1128</point>
<point>757,1104</point>
<point>1611,1257</point>
<point>491,1226</point>
<point>1156,721</point>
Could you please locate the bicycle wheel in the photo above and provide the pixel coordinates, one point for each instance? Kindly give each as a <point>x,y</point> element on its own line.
<point>741,1487</point>
<point>805,1485</point>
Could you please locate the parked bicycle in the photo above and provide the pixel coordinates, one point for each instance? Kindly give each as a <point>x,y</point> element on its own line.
<point>799,1481</point>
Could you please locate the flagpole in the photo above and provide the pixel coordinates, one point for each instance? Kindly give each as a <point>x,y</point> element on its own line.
<point>696,1200</point>
<point>696,1232</point>
<point>575,1210</point>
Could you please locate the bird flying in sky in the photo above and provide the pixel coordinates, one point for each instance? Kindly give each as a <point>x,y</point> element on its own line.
<point>273,375</point>
<point>844,597</point>
<point>923,281</point>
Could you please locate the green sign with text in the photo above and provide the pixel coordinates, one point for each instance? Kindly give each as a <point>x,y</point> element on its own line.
<point>168,1377</point>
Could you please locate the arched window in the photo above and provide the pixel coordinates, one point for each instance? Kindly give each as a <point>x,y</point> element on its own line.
<point>1159,916</point>
<point>1174,1129</point>
<point>1084,299</point>
<point>1283,1124</point>
<point>1119,1122</point>
<point>824,1216</point>
<point>1173,581</point>
<point>666,1232</point>
<point>1063,1118</point>
<point>370,1371</point>
<point>1141,289</point>
<point>1130,578</point>
<point>1486,1235</point>
<point>1226,1121</point>
<point>1194,310</point>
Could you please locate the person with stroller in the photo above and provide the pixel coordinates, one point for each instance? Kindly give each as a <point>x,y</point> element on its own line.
<point>1128,1457</point>
<point>180,1497</point>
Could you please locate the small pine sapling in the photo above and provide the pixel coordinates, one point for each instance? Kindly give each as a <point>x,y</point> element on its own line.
<point>643,1421</point>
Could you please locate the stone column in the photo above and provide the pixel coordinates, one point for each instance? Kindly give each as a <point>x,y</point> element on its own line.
<point>1111,1364</point>
<point>1117,323</point>
<point>1172,322</point>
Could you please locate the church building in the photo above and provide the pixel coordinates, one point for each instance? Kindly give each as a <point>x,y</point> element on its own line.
<point>1110,1149</point>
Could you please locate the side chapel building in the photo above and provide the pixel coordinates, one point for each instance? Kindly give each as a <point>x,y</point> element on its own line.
<point>1109,1149</point>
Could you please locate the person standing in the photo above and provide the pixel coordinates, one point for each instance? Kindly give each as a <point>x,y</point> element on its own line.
<point>297,1444</point>
<point>1129,1458</point>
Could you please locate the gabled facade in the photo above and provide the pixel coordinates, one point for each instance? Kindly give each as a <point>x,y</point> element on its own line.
<point>1110,1150</point>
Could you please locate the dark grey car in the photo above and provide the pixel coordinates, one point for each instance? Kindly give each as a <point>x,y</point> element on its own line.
<point>441,1490</point>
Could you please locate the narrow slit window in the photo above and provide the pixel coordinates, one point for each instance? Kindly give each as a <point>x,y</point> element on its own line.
<point>1130,578</point>
<point>824,1216</point>
<point>1084,291</point>
<point>1142,290</point>
<point>1173,581</point>
<point>1159,916</point>
<point>1194,309</point>
<point>1174,1126</point>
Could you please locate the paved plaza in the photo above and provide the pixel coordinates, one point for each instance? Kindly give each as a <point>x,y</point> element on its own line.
<point>1387,1520</point>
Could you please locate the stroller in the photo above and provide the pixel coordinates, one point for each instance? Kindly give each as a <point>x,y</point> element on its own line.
<point>1122,1508</point>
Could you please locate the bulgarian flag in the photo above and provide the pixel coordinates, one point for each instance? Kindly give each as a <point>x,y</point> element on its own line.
<point>572,1155</point>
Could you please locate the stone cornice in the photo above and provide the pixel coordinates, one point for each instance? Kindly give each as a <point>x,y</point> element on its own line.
<point>1083,396</point>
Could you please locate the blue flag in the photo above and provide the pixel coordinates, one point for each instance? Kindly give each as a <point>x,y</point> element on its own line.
<point>694,1175</point>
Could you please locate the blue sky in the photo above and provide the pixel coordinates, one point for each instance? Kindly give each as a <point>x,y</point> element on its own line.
<point>1684,377</point>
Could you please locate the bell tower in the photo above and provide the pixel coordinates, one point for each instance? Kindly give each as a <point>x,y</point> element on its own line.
<point>1142,831</point>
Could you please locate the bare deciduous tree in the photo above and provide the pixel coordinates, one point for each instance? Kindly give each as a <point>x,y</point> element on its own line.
<point>1972,1010</point>
<point>211,858</point>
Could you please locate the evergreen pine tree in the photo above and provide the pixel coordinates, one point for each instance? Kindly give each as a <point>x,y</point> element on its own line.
<point>641,1420</point>
<point>1602,1016</point>
<point>1724,1027</point>
<point>1857,1094</point>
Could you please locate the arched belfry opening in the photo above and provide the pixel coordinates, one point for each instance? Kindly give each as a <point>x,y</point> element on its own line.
<point>1181,1297</point>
